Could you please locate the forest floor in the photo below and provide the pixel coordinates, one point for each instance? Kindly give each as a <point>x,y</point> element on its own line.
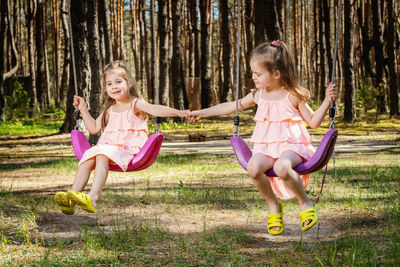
<point>196,206</point>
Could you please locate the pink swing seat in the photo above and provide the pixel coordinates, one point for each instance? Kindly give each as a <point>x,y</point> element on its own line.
<point>146,156</point>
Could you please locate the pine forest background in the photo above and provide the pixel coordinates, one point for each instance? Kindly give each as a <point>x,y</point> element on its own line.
<point>195,46</point>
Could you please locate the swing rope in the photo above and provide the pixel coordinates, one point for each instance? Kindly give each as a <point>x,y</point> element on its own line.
<point>332,109</point>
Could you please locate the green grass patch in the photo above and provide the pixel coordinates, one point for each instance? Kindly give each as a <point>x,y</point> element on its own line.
<point>23,128</point>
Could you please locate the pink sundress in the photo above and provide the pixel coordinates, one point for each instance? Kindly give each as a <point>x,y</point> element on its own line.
<point>122,138</point>
<point>279,128</point>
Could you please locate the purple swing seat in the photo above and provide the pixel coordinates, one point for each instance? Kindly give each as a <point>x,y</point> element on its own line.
<point>319,160</point>
<point>146,156</point>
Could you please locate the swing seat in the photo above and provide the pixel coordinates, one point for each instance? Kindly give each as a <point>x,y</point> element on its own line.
<point>146,156</point>
<point>321,156</point>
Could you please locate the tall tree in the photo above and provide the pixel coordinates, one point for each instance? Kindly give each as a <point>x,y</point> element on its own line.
<point>178,82</point>
<point>41,77</point>
<point>322,55</point>
<point>348,64</point>
<point>65,76</point>
<point>205,70</point>
<point>379,56</point>
<point>163,33</point>
<point>79,12</point>
<point>226,50</point>
<point>30,19</point>
<point>96,65</point>
<point>392,60</point>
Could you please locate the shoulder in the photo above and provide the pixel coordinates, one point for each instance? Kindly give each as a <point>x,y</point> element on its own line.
<point>255,94</point>
<point>295,100</point>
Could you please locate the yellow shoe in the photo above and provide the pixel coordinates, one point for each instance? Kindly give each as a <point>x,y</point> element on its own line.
<point>66,205</point>
<point>308,214</point>
<point>275,220</point>
<point>82,200</point>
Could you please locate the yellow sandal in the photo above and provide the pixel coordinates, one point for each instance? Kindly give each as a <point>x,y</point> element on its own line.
<point>82,200</point>
<point>275,220</point>
<point>66,205</point>
<point>308,214</point>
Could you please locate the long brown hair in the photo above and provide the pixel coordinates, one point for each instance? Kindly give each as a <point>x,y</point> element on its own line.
<point>120,68</point>
<point>275,56</point>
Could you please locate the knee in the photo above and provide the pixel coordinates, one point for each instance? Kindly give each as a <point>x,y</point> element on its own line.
<point>282,169</point>
<point>254,168</point>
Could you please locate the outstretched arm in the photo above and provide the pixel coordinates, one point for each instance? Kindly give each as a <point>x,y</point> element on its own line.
<point>314,119</point>
<point>223,108</point>
<point>92,125</point>
<point>159,110</point>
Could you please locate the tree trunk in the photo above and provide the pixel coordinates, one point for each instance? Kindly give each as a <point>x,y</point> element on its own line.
<point>163,29</point>
<point>249,44</point>
<point>96,66</point>
<point>391,60</point>
<point>41,81</point>
<point>3,28</point>
<point>349,114</point>
<point>65,76</point>
<point>322,56</point>
<point>178,82</point>
<point>56,47</point>
<point>79,33</point>
<point>104,32</point>
<point>31,14</point>
<point>379,57</point>
<point>327,36</point>
<point>226,51</point>
<point>271,22</point>
<point>259,16</point>
<point>205,71</point>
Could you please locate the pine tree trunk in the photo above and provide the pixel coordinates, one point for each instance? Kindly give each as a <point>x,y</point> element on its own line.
<point>3,27</point>
<point>226,50</point>
<point>67,57</point>
<point>392,60</point>
<point>31,11</point>
<point>379,57</point>
<point>249,43</point>
<point>163,29</point>
<point>178,82</point>
<point>205,71</point>
<point>41,82</point>
<point>322,56</point>
<point>79,13</point>
<point>96,66</point>
<point>348,64</point>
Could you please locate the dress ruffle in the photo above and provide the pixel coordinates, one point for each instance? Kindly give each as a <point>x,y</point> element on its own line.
<point>279,128</point>
<point>280,131</point>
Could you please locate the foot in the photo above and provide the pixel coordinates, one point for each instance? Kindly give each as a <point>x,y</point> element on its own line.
<point>65,204</point>
<point>275,223</point>
<point>306,205</point>
<point>308,218</point>
<point>82,200</point>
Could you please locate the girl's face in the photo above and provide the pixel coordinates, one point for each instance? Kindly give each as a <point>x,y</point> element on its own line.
<point>262,77</point>
<point>116,87</point>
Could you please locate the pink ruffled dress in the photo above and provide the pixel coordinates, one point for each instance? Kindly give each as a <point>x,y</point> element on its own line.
<point>122,138</point>
<point>279,128</point>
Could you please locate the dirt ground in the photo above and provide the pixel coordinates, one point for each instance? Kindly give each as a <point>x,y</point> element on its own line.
<point>53,224</point>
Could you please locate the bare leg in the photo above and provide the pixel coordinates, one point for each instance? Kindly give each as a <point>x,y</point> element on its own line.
<point>100,177</point>
<point>82,175</point>
<point>283,167</point>
<point>257,166</point>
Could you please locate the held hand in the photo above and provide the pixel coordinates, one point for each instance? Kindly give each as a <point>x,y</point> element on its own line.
<point>79,102</point>
<point>331,92</point>
<point>184,113</point>
<point>195,116</point>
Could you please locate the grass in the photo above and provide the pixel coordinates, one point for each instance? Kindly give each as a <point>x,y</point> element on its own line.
<point>200,210</point>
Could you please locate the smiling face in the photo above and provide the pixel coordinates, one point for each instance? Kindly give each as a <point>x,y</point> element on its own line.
<point>262,77</point>
<point>116,87</point>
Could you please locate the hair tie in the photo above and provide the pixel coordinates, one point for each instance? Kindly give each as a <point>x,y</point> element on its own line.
<point>275,43</point>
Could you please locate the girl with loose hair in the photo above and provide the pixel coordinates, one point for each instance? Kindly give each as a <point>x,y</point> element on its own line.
<point>124,125</point>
